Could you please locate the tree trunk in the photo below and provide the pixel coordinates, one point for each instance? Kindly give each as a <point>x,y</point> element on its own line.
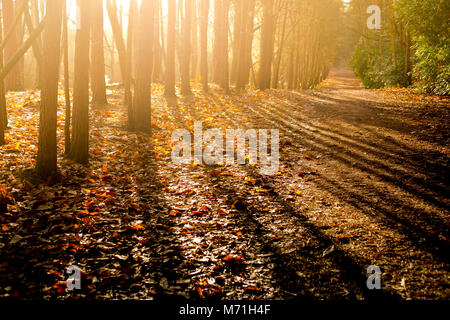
<point>194,45</point>
<point>37,49</point>
<point>80,130</point>
<point>391,32</point>
<point>14,80</point>
<point>170,56</point>
<point>118,37</point>
<point>266,51</point>
<point>221,70</point>
<point>97,55</point>
<point>217,42</point>
<point>185,67</point>
<point>408,58</point>
<point>144,59</point>
<point>157,54</point>
<point>68,106</point>
<point>204,44</point>
<point>3,114</point>
<point>130,41</point>
<point>225,83</point>
<point>237,34</point>
<point>245,54</point>
<point>280,48</point>
<point>46,164</point>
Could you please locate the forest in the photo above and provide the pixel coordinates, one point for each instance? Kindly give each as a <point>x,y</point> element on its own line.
<point>224,150</point>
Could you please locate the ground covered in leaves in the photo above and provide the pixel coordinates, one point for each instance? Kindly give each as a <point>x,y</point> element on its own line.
<point>363,180</point>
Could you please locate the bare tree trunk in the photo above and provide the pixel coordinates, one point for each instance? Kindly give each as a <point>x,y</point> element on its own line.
<point>245,59</point>
<point>68,107</point>
<point>186,64</point>
<point>46,163</point>
<point>37,48</point>
<point>267,39</point>
<point>170,56</point>
<point>221,70</point>
<point>391,32</point>
<point>144,55</point>
<point>14,80</point>
<point>97,55</point>
<point>157,55</point>
<point>280,48</point>
<point>408,57</point>
<point>204,44</point>
<point>80,134</point>
<point>194,45</point>
<point>3,113</point>
<point>130,41</point>
<point>118,36</point>
<point>237,34</point>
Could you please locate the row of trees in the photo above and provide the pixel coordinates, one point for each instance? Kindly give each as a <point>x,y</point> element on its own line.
<point>233,43</point>
<point>412,47</point>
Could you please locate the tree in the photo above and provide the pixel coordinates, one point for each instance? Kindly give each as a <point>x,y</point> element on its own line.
<point>157,48</point>
<point>117,29</point>
<point>170,56</point>
<point>80,129</point>
<point>130,41</point>
<point>97,55</point>
<point>221,9</point>
<point>204,44</point>
<point>267,44</point>
<point>37,48</point>
<point>144,58</point>
<point>3,114</point>
<point>237,34</point>
<point>245,45</point>
<point>185,66</point>
<point>14,80</point>
<point>68,106</point>
<point>46,164</point>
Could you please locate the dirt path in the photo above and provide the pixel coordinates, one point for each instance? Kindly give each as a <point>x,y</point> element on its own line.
<point>363,181</point>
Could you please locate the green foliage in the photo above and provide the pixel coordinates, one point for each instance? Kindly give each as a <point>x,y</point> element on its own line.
<point>428,22</point>
<point>432,69</point>
<point>377,70</point>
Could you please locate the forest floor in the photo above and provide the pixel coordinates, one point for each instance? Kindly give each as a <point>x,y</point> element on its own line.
<point>363,180</point>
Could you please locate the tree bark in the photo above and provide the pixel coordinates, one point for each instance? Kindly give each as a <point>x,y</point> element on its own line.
<point>14,80</point>
<point>186,64</point>
<point>204,44</point>
<point>245,52</point>
<point>68,106</point>
<point>130,42</point>
<point>221,69</point>
<point>408,58</point>
<point>170,56</point>
<point>266,51</point>
<point>97,55</point>
<point>80,130</point>
<point>237,34</point>
<point>118,37</point>
<point>144,59</point>
<point>157,54</point>
<point>46,163</point>
<point>3,113</point>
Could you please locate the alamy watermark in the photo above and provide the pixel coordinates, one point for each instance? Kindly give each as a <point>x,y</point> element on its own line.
<point>374,21</point>
<point>209,147</point>
<point>74,280</point>
<point>374,278</point>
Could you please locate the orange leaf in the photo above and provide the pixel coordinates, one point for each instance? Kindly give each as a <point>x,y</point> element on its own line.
<point>138,227</point>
